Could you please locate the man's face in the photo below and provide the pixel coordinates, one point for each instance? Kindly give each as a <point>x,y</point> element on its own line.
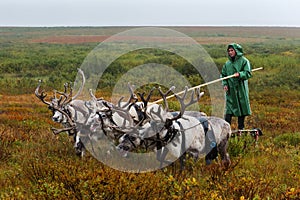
<point>231,52</point>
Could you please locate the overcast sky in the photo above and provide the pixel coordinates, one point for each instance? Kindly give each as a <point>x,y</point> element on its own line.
<point>149,12</point>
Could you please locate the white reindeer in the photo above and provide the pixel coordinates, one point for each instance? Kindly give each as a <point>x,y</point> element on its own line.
<point>180,133</point>
<point>108,118</point>
<point>69,111</point>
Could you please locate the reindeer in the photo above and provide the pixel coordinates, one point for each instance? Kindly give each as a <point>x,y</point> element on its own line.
<point>67,110</point>
<point>181,132</point>
<point>109,119</point>
<point>174,134</point>
<point>113,121</point>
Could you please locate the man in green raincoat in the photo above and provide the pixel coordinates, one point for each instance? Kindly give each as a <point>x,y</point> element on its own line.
<point>236,88</point>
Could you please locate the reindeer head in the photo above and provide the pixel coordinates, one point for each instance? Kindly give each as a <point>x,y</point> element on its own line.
<point>100,116</point>
<point>128,142</point>
<point>56,105</point>
<point>160,116</point>
<point>60,106</point>
<point>163,125</point>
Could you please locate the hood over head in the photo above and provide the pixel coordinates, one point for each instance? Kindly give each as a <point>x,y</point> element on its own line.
<point>238,48</point>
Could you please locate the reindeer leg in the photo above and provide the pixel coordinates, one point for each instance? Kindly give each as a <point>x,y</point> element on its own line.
<point>222,148</point>
<point>211,155</point>
<point>159,152</point>
<point>182,161</point>
<point>79,146</point>
<point>163,154</point>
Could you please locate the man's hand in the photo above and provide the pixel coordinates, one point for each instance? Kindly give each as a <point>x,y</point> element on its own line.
<point>236,74</point>
<point>225,88</point>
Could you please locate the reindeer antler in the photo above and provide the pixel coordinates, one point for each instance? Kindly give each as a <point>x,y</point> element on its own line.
<point>142,96</point>
<point>67,98</point>
<point>82,85</point>
<point>145,102</point>
<point>193,100</point>
<point>42,95</point>
<point>132,99</point>
<point>160,110</point>
<point>57,131</point>
<point>164,96</point>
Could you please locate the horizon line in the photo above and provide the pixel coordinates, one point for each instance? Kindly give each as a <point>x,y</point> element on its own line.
<point>99,26</point>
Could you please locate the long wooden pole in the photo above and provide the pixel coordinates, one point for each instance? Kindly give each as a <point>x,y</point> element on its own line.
<point>204,84</point>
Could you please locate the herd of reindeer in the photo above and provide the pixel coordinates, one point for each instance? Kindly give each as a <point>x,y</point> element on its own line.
<point>139,124</point>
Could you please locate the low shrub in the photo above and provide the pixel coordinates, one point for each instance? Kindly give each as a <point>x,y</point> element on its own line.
<point>286,139</point>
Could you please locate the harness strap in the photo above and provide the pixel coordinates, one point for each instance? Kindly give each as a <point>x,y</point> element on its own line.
<point>174,132</point>
<point>182,149</point>
<point>139,112</point>
<point>109,116</point>
<point>128,137</point>
<point>148,145</point>
<point>102,123</point>
<point>204,123</point>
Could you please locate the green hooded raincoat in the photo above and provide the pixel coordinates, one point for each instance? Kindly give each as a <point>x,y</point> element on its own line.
<point>237,96</point>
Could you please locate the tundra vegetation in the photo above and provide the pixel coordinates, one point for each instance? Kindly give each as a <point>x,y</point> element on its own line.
<point>36,164</point>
